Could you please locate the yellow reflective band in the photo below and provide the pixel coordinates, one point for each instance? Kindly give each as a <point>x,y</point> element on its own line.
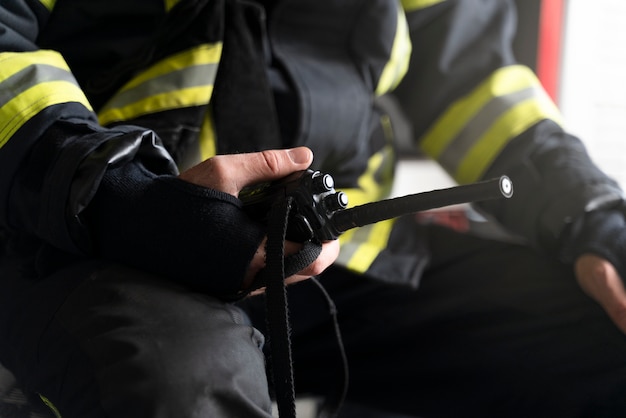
<point>48,4</point>
<point>200,55</point>
<point>50,405</point>
<point>360,246</point>
<point>511,124</point>
<point>170,3</point>
<point>367,252</point>
<point>369,189</point>
<point>28,104</point>
<point>398,63</point>
<point>158,103</point>
<point>502,82</point>
<point>472,131</point>
<point>35,81</point>
<point>12,63</point>
<point>412,5</point>
<point>207,137</point>
<point>183,80</point>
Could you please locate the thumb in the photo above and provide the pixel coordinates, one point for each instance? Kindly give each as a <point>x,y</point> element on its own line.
<point>269,165</point>
<point>231,172</point>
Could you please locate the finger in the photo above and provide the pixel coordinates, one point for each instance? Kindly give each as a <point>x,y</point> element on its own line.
<point>600,280</point>
<point>330,251</point>
<point>256,265</point>
<point>230,173</point>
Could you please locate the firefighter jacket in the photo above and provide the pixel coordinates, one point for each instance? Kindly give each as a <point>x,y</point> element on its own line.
<point>102,102</point>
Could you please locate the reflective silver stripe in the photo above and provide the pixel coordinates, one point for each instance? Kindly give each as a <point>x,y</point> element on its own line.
<point>190,77</point>
<point>31,82</point>
<point>359,256</point>
<point>30,77</point>
<point>182,80</point>
<point>361,246</point>
<point>459,146</point>
<point>470,134</point>
<point>349,248</point>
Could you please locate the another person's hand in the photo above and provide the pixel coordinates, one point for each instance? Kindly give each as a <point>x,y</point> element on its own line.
<point>231,173</point>
<point>599,279</point>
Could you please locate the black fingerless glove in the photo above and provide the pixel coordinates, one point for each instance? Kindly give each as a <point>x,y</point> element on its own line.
<point>601,232</point>
<point>161,224</point>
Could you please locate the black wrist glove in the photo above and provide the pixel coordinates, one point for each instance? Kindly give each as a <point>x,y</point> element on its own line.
<point>161,224</point>
<point>601,232</point>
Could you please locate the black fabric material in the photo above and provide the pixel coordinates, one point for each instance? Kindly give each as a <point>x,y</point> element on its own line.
<point>14,158</point>
<point>178,130</point>
<point>207,244</point>
<point>90,339</point>
<point>555,183</point>
<point>336,126</point>
<point>58,176</point>
<point>403,261</point>
<point>118,39</point>
<point>20,24</point>
<point>17,403</point>
<point>494,330</point>
<point>243,107</point>
<point>32,306</point>
<point>456,44</point>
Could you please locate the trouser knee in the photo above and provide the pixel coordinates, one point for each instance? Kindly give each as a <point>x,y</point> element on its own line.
<point>126,344</point>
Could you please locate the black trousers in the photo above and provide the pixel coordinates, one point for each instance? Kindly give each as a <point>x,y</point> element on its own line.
<point>494,330</point>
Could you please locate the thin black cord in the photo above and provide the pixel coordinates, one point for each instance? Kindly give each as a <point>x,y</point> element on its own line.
<point>328,409</point>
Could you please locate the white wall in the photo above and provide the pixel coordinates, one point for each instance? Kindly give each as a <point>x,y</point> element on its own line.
<point>593,80</point>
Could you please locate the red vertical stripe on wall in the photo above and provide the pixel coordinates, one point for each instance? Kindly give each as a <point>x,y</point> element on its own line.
<point>549,46</point>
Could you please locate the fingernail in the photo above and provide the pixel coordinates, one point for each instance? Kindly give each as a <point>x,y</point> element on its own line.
<point>299,155</point>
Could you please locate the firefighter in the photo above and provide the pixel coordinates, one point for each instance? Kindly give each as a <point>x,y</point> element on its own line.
<point>130,270</point>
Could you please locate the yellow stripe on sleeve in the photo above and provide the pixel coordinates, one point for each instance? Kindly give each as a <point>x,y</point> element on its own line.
<point>31,82</point>
<point>470,134</point>
<point>412,5</point>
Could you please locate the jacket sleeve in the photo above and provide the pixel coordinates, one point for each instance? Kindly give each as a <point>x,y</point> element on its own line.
<point>110,192</point>
<point>481,114</point>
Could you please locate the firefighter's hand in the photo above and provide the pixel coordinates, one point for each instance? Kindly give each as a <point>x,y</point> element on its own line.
<point>599,279</point>
<point>330,251</point>
<point>231,173</point>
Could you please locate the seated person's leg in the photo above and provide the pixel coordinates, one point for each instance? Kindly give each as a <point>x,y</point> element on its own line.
<point>107,341</point>
<point>494,329</point>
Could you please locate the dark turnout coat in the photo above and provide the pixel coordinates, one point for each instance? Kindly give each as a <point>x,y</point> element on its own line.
<point>102,102</point>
